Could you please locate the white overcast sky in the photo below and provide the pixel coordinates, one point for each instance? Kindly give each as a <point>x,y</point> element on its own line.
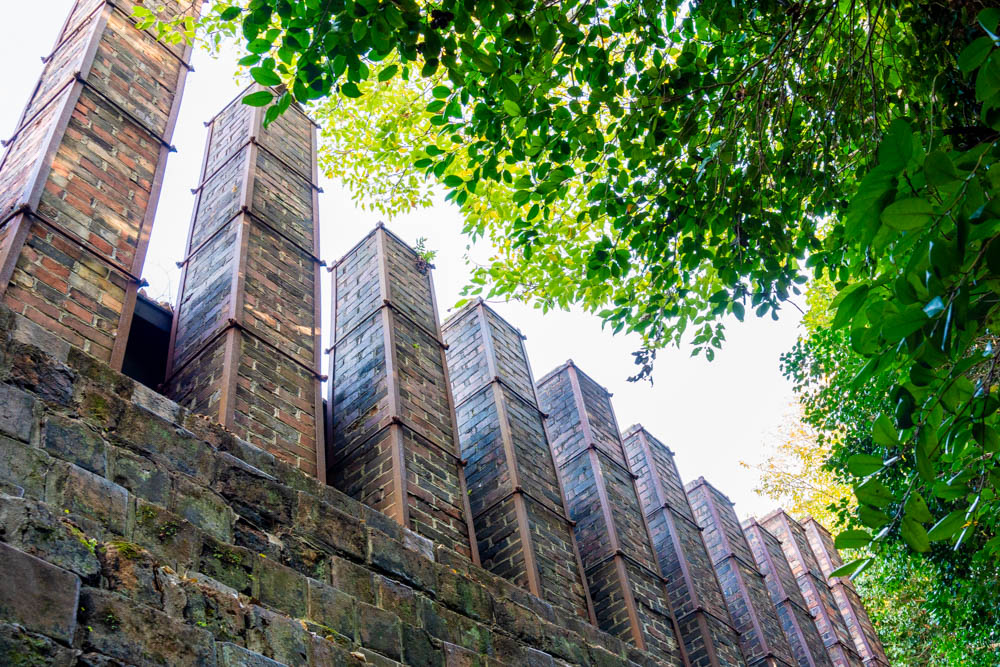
<point>711,414</point>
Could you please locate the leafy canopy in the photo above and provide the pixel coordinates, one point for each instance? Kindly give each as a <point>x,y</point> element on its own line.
<point>667,164</point>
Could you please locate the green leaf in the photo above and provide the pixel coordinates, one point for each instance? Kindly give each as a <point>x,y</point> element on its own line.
<point>259,46</point>
<point>899,326</point>
<point>230,13</point>
<point>259,99</point>
<point>441,92</point>
<point>265,77</point>
<point>350,89</point>
<point>916,508</point>
<point>884,433</point>
<point>849,306</point>
<point>847,569</point>
<point>907,214</point>
<point>974,54</point>
<point>388,72</point>
<point>872,517</point>
<point>873,492</point>
<point>914,535</point>
<point>863,465</point>
<point>988,19</point>
<point>897,145</point>
<point>511,107</point>
<point>947,526</point>
<point>852,539</point>
<point>947,491</point>
<point>738,310</point>
<point>939,169</point>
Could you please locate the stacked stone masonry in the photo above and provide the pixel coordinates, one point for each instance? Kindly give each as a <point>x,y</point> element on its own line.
<point>81,175</point>
<point>706,627</point>
<point>135,531</point>
<point>814,587</point>
<point>519,515</point>
<point>796,619</point>
<point>848,602</point>
<point>245,345</point>
<point>393,443</point>
<point>626,585</point>
<point>750,606</point>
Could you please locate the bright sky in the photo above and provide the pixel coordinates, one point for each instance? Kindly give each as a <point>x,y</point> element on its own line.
<point>713,415</point>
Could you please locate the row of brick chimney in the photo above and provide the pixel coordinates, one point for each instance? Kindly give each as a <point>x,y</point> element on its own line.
<point>441,427</point>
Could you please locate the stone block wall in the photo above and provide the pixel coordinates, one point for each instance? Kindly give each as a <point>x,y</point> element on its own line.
<point>626,585</point>
<point>135,531</point>
<point>796,619</point>
<point>518,511</point>
<point>393,443</point>
<point>813,585</point>
<point>747,597</point>
<point>706,627</point>
<point>846,597</point>
<point>81,175</point>
<point>245,344</point>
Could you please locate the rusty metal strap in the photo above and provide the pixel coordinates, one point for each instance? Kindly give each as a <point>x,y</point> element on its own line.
<point>253,218</point>
<point>626,557</point>
<point>520,491</point>
<point>705,611</point>
<point>233,324</point>
<point>667,507</point>
<point>28,122</point>
<point>386,303</point>
<point>128,114</point>
<point>255,335</point>
<point>788,600</point>
<point>284,163</point>
<point>128,17</point>
<point>80,26</point>
<point>84,245</point>
<point>239,149</point>
<point>600,452</point>
<point>730,555</point>
<point>397,421</point>
<point>518,395</point>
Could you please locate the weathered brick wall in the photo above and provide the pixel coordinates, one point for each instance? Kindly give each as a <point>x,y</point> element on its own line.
<point>747,598</point>
<point>517,505</point>
<point>393,443</point>
<point>814,588</point>
<point>705,624</point>
<point>846,597</point>
<point>796,619</point>
<point>626,586</point>
<point>134,531</point>
<point>81,178</point>
<point>245,346</point>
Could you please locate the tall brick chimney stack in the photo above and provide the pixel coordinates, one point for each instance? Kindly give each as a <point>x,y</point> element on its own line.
<point>393,442</point>
<point>796,619</point>
<point>761,636</point>
<point>81,176</point>
<point>706,628</point>
<point>814,587</point>
<point>245,346</point>
<point>518,507</point>
<point>859,625</point>
<point>626,585</point>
